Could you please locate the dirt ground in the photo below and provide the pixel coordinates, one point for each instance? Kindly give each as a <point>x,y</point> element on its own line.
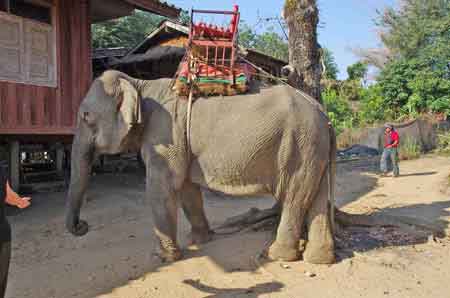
<point>117,258</point>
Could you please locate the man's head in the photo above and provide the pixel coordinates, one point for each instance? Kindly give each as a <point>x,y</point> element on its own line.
<point>388,128</point>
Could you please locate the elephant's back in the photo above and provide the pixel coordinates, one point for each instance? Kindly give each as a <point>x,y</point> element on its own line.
<point>275,104</point>
<point>281,96</point>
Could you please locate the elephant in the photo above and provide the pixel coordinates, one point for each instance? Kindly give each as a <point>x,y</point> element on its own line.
<point>5,237</point>
<point>274,141</point>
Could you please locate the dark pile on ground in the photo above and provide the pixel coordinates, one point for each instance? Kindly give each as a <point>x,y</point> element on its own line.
<point>364,239</point>
<point>357,151</point>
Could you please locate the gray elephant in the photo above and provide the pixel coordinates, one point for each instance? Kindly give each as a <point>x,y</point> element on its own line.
<point>274,141</point>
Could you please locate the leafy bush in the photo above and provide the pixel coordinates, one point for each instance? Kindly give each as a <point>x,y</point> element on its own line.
<point>351,90</point>
<point>357,71</point>
<point>373,107</point>
<point>338,109</point>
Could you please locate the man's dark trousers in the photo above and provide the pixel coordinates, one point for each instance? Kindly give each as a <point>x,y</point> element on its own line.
<point>5,237</point>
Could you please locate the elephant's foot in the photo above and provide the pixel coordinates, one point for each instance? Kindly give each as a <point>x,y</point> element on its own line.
<point>200,237</point>
<point>169,250</point>
<point>283,253</point>
<point>80,228</point>
<point>319,254</point>
<point>170,255</point>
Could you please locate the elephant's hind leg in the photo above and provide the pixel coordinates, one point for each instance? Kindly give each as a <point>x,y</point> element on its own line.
<point>192,202</point>
<point>296,199</point>
<point>285,247</point>
<point>320,244</point>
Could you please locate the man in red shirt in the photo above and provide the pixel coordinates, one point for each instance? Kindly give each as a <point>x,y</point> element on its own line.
<point>391,141</point>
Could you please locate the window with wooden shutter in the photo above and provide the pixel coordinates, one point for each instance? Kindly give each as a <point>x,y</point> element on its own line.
<point>39,53</point>
<point>27,44</point>
<point>12,60</point>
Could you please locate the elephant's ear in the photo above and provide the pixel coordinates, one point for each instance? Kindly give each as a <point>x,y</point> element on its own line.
<point>129,104</point>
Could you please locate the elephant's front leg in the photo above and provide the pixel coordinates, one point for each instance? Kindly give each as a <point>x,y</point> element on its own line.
<point>164,209</point>
<point>192,202</point>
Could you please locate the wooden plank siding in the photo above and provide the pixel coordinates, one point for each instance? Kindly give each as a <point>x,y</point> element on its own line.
<point>29,109</point>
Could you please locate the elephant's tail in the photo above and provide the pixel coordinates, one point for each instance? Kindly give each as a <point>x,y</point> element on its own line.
<point>331,175</point>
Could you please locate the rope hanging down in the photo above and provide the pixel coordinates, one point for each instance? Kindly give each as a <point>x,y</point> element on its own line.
<point>188,117</point>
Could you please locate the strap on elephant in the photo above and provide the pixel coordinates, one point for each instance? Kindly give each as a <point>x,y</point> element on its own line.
<point>189,112</point>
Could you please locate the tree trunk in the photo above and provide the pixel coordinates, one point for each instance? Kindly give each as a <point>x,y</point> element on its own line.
<point>302,17</point>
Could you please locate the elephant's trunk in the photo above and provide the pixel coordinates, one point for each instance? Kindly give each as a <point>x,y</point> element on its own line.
<point>81,163</point>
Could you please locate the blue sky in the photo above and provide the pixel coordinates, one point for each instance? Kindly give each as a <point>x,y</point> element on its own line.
<point>345,24</point>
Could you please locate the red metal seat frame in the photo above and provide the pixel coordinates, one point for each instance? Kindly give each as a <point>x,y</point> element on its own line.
<point>214,39</point>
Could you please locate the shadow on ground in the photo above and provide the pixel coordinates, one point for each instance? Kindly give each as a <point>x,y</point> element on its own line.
<point>418,174</point>
<point>252,292</point>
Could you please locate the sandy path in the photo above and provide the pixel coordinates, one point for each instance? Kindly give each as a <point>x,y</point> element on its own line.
<point>116,258</point>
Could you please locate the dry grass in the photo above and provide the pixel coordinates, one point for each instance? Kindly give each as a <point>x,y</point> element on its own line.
<point>350,136</point>
<point>409,149</point>
<point>444,144</point>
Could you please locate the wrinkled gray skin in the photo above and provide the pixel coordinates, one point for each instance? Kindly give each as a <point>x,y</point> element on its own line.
<point>273,142</point>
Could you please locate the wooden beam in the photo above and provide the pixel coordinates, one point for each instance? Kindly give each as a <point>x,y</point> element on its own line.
<point>30,130</point>
<point>14,165</point>
<point>60,158</point>
<point>45,3</point>
<point>156,7</point>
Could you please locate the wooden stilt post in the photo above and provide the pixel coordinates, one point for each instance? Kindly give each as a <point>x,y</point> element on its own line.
<point>14,165</point>
<point>59,158</point>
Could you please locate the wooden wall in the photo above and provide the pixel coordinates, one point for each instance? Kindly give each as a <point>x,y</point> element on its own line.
<point>36,110</point>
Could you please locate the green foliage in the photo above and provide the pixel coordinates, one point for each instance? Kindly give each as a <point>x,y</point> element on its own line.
<point>268,42</point>
<point>418,23</point>
<point>414,86</point>
<point>373,107</point>
<point>417,78</point>
<point>351,90</point>
<point>338,109</point>
<point>331,67</point>
<point>124,32</point>
<point>357,71</point>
